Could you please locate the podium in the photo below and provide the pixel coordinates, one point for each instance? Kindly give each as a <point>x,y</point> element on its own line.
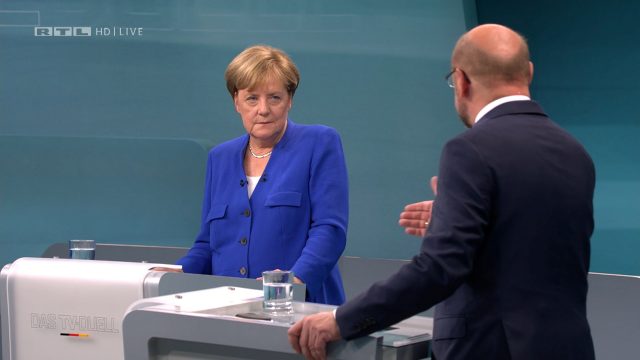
<point>67,309</point>
<point>73,309</point>
<point>193,325</point>
<point>82,309</point>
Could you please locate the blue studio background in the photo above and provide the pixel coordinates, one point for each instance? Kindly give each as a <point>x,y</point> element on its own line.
<point>105,137</point>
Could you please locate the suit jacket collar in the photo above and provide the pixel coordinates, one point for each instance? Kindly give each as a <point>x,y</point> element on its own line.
<point>514,107</point>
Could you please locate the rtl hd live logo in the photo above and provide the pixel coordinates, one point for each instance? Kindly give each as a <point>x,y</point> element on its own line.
<point>86,31</point>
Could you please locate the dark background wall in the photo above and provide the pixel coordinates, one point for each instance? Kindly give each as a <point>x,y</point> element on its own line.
<point>106,137</point>
<point>587,78</point>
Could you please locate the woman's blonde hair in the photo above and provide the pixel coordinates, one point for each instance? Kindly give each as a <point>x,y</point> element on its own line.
<point>258,64</point>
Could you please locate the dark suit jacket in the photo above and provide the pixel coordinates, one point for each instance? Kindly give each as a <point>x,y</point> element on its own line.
<point>507,253</point>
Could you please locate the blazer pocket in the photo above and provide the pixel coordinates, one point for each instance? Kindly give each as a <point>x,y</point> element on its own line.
<point>285,198</point>
<point>449,328</point>
<point>216,212</point>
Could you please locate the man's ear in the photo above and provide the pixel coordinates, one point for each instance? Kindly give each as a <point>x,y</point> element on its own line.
<point>462,85</point>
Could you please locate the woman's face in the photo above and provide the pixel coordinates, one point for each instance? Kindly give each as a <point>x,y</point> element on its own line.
<point>264,111</point>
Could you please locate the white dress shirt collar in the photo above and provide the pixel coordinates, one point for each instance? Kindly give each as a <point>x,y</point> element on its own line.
<point>495,103</point>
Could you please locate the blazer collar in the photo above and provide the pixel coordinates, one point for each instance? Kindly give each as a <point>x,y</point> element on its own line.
<point>291,128</point>
<point>514,107</point>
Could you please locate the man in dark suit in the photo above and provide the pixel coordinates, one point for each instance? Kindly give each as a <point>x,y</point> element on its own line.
<point>506,254</point>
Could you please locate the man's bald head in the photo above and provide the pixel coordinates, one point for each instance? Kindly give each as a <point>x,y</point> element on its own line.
<point>493,55</point>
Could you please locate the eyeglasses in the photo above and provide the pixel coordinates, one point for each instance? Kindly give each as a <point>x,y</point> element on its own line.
<point>449,78</point>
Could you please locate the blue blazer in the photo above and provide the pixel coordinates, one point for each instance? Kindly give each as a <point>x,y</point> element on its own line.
<point>507,252</point>
<point>296,218</point>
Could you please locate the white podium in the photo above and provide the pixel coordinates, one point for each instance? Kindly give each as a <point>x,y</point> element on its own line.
<point>67,309</point>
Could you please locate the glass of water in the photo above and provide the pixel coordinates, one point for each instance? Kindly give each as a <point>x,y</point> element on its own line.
<point>278,292</point>
<point>82,249</point>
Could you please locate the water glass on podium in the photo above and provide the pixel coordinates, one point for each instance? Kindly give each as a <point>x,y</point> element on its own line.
<point>278,292</point>
<point>82,249</point>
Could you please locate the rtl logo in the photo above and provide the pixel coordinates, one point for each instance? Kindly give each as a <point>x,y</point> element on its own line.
<point>62,31</point>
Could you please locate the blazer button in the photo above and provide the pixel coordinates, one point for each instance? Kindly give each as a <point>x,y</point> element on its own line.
<point>246,213</point>
<point>243,271</point>
<point>243,241</point>
<point>241,182</point>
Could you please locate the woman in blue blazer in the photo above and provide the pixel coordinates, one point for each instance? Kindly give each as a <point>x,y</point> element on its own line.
<point>276,197</point>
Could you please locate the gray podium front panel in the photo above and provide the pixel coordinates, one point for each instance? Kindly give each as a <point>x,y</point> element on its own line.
<point>159,334</point>
<point>612,310</point>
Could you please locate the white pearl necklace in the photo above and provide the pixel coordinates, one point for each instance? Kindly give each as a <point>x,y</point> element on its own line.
<point>259,156</point>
